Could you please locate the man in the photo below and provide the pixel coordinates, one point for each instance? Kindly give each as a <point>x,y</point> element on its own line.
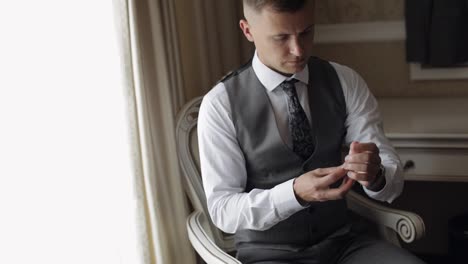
<point>271,136</point>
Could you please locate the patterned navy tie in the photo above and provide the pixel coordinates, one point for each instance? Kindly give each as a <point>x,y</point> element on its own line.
<point>299,128</point>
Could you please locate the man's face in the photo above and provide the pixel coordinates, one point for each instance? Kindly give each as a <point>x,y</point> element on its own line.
<point>283,40</point>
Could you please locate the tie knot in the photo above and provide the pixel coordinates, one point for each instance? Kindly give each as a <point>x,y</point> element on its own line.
<point>288,86</point>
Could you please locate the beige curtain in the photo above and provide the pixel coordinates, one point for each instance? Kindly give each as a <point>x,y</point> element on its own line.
<point>154,91</point>
<point>211,43</point>
<point>172,51</point>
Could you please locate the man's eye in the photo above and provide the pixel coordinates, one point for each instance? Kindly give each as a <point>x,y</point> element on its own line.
<point>280,38</point>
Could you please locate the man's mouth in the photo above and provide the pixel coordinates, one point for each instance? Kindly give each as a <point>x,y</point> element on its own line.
<point>296,61</point>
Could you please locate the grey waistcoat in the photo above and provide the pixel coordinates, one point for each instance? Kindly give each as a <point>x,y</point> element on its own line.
<point>269,161</point>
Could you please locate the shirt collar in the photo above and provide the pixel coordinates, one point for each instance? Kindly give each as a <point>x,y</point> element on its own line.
<point>272,79</point>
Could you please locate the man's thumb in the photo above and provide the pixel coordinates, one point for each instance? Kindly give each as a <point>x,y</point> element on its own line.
<point>353,147</point>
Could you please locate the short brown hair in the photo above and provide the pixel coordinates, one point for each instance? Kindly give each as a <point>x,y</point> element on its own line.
<point>277,5</point>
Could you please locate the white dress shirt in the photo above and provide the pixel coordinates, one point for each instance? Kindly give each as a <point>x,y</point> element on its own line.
<point>223,164</point>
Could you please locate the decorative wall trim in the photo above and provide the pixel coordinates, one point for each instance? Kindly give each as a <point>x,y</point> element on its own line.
<point>432,157</point>
<point>381,32</point>
<point>360,32</point>
<point>417,73</point>
<point>429,141</point>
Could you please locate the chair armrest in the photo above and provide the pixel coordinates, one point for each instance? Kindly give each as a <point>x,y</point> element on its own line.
<point>197,228</point>
<point>409,226</point>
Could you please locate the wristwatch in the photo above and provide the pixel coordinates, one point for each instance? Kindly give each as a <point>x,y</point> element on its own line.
<point>379,181</point>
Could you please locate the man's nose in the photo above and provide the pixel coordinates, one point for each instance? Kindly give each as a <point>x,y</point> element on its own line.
<point>296,47</point>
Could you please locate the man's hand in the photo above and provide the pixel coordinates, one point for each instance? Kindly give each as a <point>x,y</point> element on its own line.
<point>314,186</point>
<point>363,165</point>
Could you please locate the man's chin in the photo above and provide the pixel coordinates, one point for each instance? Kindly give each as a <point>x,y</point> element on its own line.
<point>293,67</point>
<point>289,69</point>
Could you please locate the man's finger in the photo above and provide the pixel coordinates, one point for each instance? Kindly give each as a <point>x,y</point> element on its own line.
<point>346,180</point>
<point>357,147</point>
<point>324,171</point>
<point>368,168</point>
<point>358,176</point>
<point>352,147</point>
<point>339,193</point>
<point>361,167</point>
<point>366,157</point>
<point>363,147</point>
<point>333,177</point>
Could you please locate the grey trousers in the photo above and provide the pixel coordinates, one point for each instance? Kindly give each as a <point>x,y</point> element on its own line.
<point>351,247</point>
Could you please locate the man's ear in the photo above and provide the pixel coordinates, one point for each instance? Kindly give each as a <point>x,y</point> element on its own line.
<point>244,25</point>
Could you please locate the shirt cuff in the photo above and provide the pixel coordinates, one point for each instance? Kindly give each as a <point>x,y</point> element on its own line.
<point>383,193</point>
<point>285,200</point>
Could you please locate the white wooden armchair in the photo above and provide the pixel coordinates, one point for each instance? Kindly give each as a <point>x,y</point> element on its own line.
<point>214,246</point>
